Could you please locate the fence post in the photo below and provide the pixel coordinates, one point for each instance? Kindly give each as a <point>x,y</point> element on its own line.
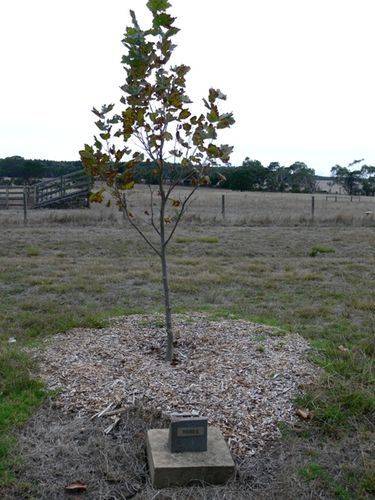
<point>312,207</point>
<point>7,198</point>
<point>223,206</point>
<point>336,199</point>
<point>24,206</point>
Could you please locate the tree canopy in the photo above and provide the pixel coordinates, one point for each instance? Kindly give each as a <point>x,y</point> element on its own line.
<point>355,180</point>
<point>155,122</point>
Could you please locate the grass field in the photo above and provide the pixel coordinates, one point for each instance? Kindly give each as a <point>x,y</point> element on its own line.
<point>268,264</point>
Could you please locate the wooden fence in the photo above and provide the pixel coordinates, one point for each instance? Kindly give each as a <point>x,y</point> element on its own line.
<point>47,194</point>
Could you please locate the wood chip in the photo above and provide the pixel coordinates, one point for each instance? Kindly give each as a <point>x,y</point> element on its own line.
<point>221,374</point>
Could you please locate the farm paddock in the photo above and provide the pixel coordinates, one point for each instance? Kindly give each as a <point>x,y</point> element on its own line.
<point>69,269</point>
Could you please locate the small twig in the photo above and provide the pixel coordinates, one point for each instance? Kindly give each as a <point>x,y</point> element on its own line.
<point>283,392</point>
<point>102,412</point>
<point>112,426</point>
<point>116,412</point>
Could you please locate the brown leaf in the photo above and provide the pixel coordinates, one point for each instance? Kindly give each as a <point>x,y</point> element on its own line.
<point>343,349</point>
<point>304,414</point>
<point>77,487</point>
<point>175,361</point>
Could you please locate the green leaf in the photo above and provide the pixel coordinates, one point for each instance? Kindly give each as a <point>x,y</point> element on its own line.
<point>213,151</point>
<point>186,99</point>
<point>211,132</point>
<point>181,70</point>
<point>226,121</point>
<point>153,117</point>
<point>119,154</point>
<point>88,152</point>
<point>107,108</point>
<point>129,185</point>
<point>158,5</point>
<point>164,20</point>
<point>98,144</point>
<point>141,116</point>
<point>171,32</point>
<point>198,137</point>
<point>221,96</point>
<point>175,100</point>
<point>185,113</point>
<point>213,116</point>
<point>167,136</point>
<point>97,197</point>
<point>129,118</point>
<point>101,125</point>
<point>97,113</point>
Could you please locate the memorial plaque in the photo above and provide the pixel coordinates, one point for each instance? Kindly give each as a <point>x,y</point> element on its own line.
<point>187,433</point>
<point>215,466</point>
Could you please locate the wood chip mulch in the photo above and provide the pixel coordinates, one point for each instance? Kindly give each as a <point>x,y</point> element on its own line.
<point>242,376</point>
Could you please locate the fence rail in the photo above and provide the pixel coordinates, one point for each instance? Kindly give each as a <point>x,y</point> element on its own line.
<point>49,193</point>
<point>11,196</point>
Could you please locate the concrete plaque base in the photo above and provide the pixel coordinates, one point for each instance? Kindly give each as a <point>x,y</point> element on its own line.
<point>214,466</point>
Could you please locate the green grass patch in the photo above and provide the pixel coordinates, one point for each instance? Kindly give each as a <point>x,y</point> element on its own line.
<point>20,394</point>
<point>316,250</point>
<point>32,251</point>
<point>315,472</point>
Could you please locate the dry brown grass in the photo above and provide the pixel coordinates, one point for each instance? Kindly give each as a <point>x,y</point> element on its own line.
<point>256,208</point>
<point>74,268</point>
<point>246,209</point>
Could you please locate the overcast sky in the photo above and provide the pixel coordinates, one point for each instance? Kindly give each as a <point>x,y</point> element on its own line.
<point>299,74</point>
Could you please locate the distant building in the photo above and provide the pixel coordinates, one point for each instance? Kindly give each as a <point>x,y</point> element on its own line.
<point>328,185</point>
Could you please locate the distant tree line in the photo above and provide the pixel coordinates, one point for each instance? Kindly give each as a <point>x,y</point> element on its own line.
<point>18,168</point>
<point>253,176</point>
<point>355,179</point>
<point>250,176</point>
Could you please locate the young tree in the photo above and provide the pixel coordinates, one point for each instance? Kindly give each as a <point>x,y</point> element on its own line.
<point>157,123</point>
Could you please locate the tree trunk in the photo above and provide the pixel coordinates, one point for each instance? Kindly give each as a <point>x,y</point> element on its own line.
<point>164,267</point>
<point>167,303</point>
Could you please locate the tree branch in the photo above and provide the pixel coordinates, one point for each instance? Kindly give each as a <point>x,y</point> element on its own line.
<point>125,212</point>
<point>181,213</point>
<point>152,210</point>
